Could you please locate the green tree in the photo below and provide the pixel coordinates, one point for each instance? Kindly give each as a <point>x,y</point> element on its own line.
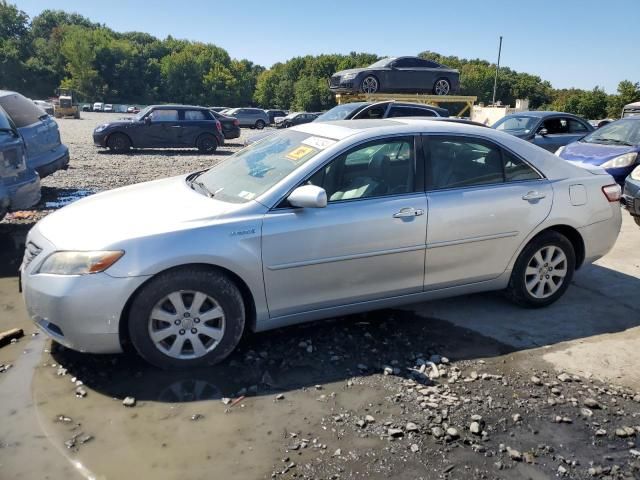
<point>628,92</point>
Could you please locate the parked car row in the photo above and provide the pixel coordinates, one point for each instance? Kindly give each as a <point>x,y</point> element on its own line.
<point>30,149</point>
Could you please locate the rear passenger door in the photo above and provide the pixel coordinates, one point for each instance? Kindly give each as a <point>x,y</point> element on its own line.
<point>194,123</point>
<point>483,202</point>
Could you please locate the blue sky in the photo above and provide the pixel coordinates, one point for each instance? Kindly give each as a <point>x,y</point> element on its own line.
<point>571,43</point>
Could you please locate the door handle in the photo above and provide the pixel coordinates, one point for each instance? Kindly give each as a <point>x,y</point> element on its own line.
<point>176,126</point>
<point>408,212</point>
<point>533,195</point>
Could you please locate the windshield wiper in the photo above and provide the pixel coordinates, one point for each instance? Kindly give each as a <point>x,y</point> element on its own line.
<point>610,140</point>
<point>202,188</point>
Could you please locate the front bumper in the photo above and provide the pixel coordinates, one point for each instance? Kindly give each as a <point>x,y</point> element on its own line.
<point>25,191</point>
<point>81,312</point>
<point>631,197</point>
<point>60,162</point>
<point>100,139</point>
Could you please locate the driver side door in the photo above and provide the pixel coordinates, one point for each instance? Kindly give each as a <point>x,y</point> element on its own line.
<point>368,243</point>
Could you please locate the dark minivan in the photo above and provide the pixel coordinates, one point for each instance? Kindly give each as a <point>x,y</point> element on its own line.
<point>44,150</point>
<point>19,185</point>
<point>162,126</point>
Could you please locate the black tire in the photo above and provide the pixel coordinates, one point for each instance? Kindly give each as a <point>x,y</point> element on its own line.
<point>637,220</point>
<point>207,143</point>
<point>370,84</point>
<point>260,124</point>
<point>438,86</point>
<point>118,143</point>
<point>517,290</point>
<point>210,282</point>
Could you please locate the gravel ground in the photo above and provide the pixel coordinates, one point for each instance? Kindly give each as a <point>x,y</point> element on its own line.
<point>389,394</point>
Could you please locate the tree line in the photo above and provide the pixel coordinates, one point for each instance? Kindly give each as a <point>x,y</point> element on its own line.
<point>59,49</point>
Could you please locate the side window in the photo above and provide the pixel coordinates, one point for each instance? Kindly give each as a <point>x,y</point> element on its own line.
<point>556,126</point>
<point>375,169</point>
<point>165,116</point>
<point>410,112</point>
<point>516,169</point>
<point>459,162</point>
<point>421,112</point>
<point>430,64</point>
<point>373,112</point>
<point>577,127</point>
<point>194,115</point>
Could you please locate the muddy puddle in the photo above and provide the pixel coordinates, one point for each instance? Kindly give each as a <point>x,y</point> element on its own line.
<point>262,410</point>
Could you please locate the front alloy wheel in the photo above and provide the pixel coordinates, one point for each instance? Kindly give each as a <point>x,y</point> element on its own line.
<point>370,84</point>
<point>186,324</point>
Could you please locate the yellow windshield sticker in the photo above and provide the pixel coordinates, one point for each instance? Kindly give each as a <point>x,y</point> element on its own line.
<point>300,152</point>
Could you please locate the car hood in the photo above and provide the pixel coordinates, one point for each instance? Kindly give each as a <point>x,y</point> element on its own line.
<point>351,70</point>
<point>109,219</point>
<point>594,153</point>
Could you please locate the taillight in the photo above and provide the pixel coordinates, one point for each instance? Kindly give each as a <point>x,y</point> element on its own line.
<point>612,192</point>
<point>236,122</point>
<point>218,125</point>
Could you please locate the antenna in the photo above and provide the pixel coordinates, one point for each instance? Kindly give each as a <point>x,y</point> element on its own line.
<point>495,80</point>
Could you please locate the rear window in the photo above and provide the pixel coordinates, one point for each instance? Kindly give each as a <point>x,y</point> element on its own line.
<point>22,111</point>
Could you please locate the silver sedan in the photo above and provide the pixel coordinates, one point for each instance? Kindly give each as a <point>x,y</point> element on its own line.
<point>320,220</point>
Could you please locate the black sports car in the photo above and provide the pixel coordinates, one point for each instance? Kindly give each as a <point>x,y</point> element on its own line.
<point>398,74</point>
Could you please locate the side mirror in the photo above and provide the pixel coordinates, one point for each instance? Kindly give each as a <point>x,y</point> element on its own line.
<point>147,120</point>
<point>543,132</point>
<point>308,196</point>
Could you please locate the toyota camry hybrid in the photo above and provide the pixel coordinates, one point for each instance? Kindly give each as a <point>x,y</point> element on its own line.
<point>319,220</point>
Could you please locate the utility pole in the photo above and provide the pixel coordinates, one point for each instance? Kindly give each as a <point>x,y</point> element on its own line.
<point>495,80</point>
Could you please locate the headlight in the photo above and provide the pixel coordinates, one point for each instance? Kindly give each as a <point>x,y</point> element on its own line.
<point>560,150</point>
<point>625,160</point>
<point>349,76</point>
<point>636,173</point>
<point>79,263</point>
<point>100,128</point>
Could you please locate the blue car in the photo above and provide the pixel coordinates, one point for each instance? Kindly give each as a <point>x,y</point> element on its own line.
<point>614,147</point>
<point>45,152</point>
<point>19,185</point>
<point>548,130</point>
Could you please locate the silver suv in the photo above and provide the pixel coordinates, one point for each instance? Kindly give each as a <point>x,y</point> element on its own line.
<point>250,117</point>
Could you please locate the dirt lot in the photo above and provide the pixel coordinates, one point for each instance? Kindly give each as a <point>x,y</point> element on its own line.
<point>466,388</point>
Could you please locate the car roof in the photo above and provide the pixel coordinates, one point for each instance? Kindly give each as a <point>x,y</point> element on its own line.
<point>174,107</point>
<point>541,113</point>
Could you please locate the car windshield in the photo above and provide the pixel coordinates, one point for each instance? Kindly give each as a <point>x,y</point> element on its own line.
<point>519,123</point>
<point>255,169</point>
<point>339,112</point>
<point>622,132</point>
<point>382,63</point>
<point>140,115</point>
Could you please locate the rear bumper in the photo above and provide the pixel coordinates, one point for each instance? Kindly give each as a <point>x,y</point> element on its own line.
<point>232,133</point>
<point>60,161</point>
<point>600,237</point>
<point>25,191</point>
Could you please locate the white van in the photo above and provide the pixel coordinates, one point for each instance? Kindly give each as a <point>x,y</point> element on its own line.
<point>98,106</point>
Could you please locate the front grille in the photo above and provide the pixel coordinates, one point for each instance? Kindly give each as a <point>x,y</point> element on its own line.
<point>31,251</point>
<point>335,81</point>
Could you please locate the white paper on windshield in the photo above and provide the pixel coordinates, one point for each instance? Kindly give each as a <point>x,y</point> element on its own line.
<point>318,142</point>
<point>246,195</point>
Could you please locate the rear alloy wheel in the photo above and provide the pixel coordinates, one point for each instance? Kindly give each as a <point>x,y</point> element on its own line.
<point>260,124</point>
<point>370,84</point>
<point>543,271</point>
<point>187,318</point>
<point>442,87</point>
<point>207,143</point>
<point>118,143</point>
